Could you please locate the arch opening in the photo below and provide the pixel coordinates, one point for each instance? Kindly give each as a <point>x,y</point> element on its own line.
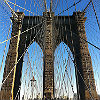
<point>64,72</point>
<point>32,73</point>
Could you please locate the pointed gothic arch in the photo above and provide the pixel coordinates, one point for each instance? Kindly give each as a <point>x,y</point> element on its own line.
<point>64,72</point>
<point>32,73</point>
<point>70,30</point>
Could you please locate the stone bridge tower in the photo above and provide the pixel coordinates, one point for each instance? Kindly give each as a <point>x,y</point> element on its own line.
<point>70,30</point>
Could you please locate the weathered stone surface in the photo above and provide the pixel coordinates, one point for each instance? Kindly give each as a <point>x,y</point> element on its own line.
<point>48,84</point>
<point>55,29</point>
<point>84,70</point>
<point>11,58</point>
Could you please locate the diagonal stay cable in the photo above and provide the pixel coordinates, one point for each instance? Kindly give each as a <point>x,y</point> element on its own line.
<point>54,9</point>
<point>29,62</point>
<point>91,1</point>
<point>95,14</point>
<point>45,4</point>
<point>23,32</point>
<point>40,4</point>
<point>24,7</point>
<point>87,6</point>
<point>87,41</point>
<point>5,7</point>
<point>78,70</point>
<point>69,7</point>
<point>19,6</point>
<point>20,58</point>
<point>80,75</point>
<point>66,70</point>
<point>5,49</point>
<point>13,12</point>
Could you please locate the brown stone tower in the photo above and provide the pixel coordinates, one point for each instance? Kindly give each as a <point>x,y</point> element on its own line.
<point>11,59</point>
<point>70,30</point>
<point>84,70</point>
<point>48,72</point>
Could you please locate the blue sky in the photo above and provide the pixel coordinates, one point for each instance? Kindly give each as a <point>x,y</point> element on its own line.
<point>92,31</point>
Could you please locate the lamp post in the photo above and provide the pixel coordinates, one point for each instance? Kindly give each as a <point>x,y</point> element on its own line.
<point>32,85</point>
